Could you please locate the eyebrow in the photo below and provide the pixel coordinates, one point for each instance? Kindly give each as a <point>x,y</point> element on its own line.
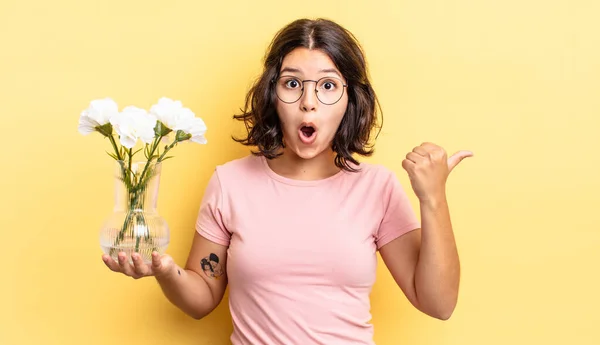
<point>326,70</point>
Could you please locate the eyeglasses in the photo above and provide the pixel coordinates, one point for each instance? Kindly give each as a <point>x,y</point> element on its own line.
<point>329,90</point>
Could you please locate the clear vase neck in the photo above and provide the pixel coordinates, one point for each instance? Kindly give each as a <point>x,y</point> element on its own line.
<point>136,186</point>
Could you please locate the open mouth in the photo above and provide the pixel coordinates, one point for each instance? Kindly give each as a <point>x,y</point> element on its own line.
<point>307,133</point>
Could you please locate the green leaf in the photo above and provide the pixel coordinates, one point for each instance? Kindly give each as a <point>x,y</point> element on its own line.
<point>112,155</point>
<point>123,152</point>
<point>164,159</point>
<point>146,152</point>
<point>133,154</point>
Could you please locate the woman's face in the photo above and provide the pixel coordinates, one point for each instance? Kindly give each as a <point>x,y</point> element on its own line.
<point>309,125</point>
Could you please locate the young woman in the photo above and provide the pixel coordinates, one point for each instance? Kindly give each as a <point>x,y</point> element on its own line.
<point>294,228</point>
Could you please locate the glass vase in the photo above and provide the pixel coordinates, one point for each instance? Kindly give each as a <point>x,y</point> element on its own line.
<point>134,226</point>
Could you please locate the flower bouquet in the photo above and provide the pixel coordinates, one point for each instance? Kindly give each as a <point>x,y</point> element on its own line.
<point>135,226</point>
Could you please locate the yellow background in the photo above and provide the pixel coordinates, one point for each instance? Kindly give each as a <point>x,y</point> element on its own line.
<point>515,81</point>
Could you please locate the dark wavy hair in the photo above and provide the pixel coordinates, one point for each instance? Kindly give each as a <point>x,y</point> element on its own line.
<point>354,133</point>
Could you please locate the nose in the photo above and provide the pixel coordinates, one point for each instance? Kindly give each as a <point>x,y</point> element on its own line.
<point>309,101</point>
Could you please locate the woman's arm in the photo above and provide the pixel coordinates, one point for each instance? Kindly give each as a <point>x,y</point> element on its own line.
<point>198,288</point>
<point>425,262</point>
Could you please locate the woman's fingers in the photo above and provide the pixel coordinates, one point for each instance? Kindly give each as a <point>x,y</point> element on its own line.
<point>139,267</point>
<point>159,265</point>
<point>156,262</point>
<point>126,266</point>
<point>110,263</point>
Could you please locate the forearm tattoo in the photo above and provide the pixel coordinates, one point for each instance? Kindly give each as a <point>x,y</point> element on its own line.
<point>211,266</point>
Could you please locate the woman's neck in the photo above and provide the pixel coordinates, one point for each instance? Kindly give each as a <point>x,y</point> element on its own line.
<point>291,166</point>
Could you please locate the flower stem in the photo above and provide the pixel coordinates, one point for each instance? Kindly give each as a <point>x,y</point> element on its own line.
<point>136,186</point>
<point>156,141</point>
<point>114,145</point>
<point>137,244</point>
<point>130,158</point>
<point>166,150</point>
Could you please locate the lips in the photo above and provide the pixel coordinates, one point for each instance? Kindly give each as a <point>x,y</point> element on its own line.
<point>307,133</point>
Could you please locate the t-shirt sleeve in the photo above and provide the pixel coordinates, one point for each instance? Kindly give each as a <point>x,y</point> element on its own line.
<point>210,222</point>
<point>399,216</point>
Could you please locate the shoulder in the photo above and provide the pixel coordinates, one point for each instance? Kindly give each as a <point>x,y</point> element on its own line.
<point>239,171</point>
<point>235,167</point>
<point>380,180</point>
<point>372,182</point>
<point>375,173</point>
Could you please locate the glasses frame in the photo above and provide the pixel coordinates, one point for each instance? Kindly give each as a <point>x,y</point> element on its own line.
<point>275,81</point>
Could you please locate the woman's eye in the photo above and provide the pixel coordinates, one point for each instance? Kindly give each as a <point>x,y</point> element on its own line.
<point>292,83</point>
<point>328,85</point>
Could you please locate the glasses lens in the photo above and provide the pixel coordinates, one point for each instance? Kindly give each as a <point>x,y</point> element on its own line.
<point>330,90</point>
<point>289,89</point>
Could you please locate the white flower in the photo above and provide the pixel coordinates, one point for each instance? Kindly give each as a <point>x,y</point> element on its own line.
<point>97,114</point>
<point>197,130</point>
<point>172,113</point>
<point>177,118</point>
<point>132,124</point>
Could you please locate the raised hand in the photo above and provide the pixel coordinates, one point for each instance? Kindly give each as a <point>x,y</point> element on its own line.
<point>428,167</point>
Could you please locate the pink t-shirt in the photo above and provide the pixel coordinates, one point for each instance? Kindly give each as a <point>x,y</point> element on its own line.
<point>302,254</point>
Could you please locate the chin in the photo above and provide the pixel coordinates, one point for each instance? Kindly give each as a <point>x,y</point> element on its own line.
<point>308,152</point>
<point>306,155</point>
